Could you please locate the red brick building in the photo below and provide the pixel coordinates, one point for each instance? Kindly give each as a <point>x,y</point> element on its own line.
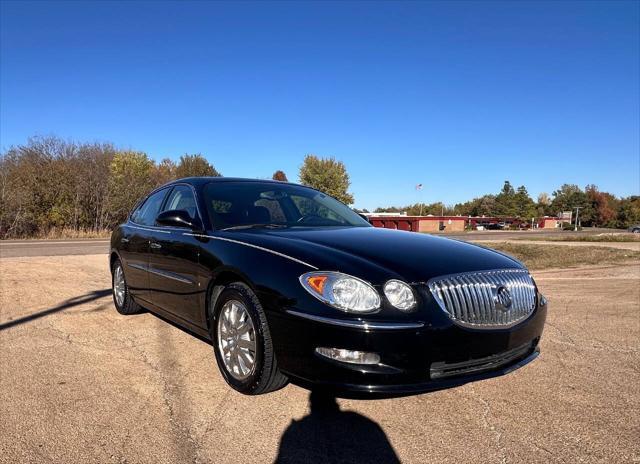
<point>420,223</point>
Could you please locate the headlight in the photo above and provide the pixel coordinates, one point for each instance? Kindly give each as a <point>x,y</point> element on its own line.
<point>342,291</point>
<point>399,295</point>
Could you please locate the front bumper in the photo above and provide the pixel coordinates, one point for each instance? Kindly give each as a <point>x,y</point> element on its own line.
<point>433,355</point>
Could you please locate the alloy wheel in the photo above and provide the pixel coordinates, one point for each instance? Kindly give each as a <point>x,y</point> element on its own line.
<point>119,285</point>
<point>237,339</point>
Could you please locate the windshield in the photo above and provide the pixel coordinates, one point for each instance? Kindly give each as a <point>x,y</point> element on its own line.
<point>257,204</point>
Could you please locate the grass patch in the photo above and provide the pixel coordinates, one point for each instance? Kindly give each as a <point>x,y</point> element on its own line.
<point>549,256</point>
<point>66,233</point>
<point>587,238</point>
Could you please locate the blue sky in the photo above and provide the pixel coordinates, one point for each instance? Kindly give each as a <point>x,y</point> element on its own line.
<point>456,95</point>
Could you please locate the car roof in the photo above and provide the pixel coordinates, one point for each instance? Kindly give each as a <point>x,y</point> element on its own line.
<point>198,181</point>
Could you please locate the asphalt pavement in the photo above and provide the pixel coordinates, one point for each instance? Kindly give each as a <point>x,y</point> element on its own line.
<point>22,248</point>
<point>80,383</point>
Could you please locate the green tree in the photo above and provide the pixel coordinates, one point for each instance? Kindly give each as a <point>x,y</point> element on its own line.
<point>481,206</point>
<point>567,198</point>
<point>629,212</point>
<point>328,176</point>
<point>280,175</point>
<point>390,209</point>
<point>525,206</point>
<point>195,166</point>
<point>131,177</point>
<point>505,202</point>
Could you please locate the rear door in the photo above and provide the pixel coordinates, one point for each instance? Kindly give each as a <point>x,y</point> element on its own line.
<point>174,269</point>
<point>135,244</point>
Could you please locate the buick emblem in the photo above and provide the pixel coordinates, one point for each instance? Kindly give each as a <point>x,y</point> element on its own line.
<point>502,298</point>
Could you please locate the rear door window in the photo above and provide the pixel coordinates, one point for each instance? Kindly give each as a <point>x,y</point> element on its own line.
<point>147,212</point>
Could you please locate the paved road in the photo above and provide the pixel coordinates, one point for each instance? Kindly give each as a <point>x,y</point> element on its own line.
<point>21,248</point>
<point>81,383</point>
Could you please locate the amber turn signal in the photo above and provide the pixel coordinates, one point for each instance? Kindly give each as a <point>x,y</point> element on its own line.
<point>317,282</point>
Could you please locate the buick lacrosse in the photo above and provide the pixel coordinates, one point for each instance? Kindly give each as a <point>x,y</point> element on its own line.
<point>289,284</point>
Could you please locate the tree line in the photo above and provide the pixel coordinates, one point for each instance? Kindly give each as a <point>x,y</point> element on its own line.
<point>597,208</point>
<point>53,187</point>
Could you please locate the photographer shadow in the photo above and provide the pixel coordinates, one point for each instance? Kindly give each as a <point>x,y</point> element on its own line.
<point>329,435</point>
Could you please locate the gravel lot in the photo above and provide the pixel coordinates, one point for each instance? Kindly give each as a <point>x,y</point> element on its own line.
<point>81,383</point>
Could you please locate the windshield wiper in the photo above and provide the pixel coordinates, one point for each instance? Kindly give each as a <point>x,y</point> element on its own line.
<point>256,226</point>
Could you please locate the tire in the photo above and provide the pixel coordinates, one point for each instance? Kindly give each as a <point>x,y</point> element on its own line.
<point>124,304</point>
<point>261,376</point>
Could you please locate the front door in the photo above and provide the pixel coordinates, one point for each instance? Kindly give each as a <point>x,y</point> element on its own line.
<point>135,244</point>
<point>174,269</point>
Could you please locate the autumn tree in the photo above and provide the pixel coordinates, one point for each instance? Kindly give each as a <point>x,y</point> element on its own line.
<point>328,176</point>
<point>604,205</point>
<point>544,199</point>
<point>130,179</point>
<point>195,166</point>
<point>280,175</point>
<point>165,171</point>
<point>49,183</point>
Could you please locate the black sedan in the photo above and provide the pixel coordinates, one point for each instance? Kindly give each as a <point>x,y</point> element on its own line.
<point>291,285</point>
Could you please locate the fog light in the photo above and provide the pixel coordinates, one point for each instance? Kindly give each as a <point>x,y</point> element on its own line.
<point>349,356</point>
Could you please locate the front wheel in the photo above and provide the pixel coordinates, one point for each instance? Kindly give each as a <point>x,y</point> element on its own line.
<point>121,296</point>
<point>242,342</point>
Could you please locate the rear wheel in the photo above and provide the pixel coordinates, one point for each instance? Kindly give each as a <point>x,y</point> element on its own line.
<point>242,342</point>
<point>121,297</point>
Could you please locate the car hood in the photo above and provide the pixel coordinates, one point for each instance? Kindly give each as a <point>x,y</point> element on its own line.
<point>377,254</point>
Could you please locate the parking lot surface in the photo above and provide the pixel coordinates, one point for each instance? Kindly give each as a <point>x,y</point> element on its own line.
<point>81,383</point>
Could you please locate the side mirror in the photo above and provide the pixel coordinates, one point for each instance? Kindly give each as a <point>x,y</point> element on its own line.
<point>178,218</point>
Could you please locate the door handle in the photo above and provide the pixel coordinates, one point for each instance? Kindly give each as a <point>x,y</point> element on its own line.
<point>155,245</point>
<point>124,240</point>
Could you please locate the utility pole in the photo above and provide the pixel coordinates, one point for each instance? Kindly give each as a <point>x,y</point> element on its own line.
<point>578,208</point>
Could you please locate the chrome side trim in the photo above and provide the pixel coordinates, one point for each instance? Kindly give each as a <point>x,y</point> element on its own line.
<point>251,245</point>
<point>354,324</point>
<point>170,275</point>
<point>149,229</point>
<point>140,267</point>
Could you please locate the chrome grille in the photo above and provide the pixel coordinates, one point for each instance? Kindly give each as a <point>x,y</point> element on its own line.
<point>474,299</point>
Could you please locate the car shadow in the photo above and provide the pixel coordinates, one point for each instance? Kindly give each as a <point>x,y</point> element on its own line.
<point>71,302</point>
<point>179,327</point>
<point>330,435</point>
